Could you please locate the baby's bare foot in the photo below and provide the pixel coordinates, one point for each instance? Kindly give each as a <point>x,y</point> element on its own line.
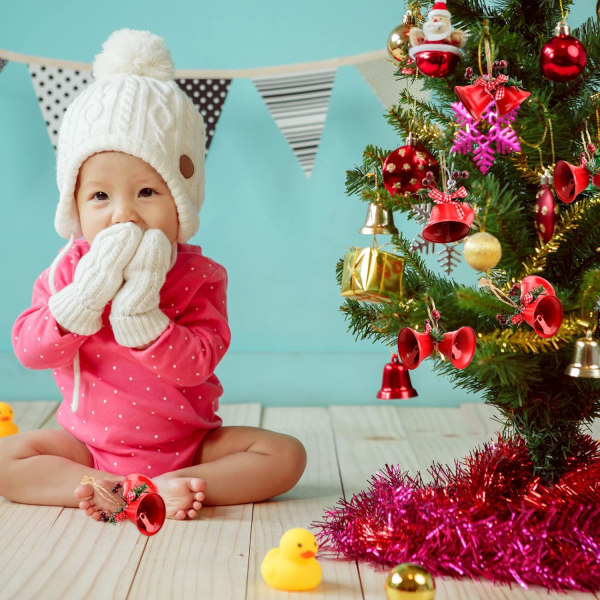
<point>183,496</point>
<point>100,505</point>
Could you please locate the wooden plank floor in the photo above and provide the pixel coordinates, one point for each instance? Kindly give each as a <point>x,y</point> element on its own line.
<point>48,552</point>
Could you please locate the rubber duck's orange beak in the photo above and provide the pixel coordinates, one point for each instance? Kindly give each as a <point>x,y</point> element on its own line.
<point>308,554</point>
<point>4,418</point>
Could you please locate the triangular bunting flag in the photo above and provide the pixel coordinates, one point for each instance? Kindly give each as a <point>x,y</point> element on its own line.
<point>380,75</point>
<point>208,95</point>
<point>3,63</point>
<point>55,88</point>
<point>299,105</point>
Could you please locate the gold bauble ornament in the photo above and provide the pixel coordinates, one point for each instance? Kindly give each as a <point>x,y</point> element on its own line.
<point>397,43</point>
<point>408,581</point>
<point>482,251</point>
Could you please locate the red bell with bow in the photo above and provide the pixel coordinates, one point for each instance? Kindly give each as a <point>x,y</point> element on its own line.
<point>146,510</point>
<point>459,346</point>
<point>395,384</point>
<point>413,347</point>
<point>571,180</point>
<point>476,97</point>
<point>544,313</point>
<point>450,220</point>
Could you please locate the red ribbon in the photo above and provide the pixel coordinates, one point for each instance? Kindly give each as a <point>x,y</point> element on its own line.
<point>526,300</point>
<point>442,198</point>
<point>495,87</point>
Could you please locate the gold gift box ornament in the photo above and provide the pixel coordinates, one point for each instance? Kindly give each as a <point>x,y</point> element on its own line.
<point>372,275</point>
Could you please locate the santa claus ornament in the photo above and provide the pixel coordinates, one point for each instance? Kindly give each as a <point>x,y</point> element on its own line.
<point>437,47</point>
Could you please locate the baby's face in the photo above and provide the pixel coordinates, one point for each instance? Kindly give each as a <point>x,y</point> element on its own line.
<point>113,187</point>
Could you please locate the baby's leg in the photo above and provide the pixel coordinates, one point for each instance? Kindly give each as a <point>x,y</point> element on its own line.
<point>44,467</point>
<point>243,464</point>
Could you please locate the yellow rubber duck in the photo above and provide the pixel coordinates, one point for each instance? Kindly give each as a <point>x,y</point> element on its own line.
<point>7,427</point>
<point>293,567</point>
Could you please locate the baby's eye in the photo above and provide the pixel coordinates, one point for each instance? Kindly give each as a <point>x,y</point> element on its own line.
<point>147,192</point>
<point>100,196</point>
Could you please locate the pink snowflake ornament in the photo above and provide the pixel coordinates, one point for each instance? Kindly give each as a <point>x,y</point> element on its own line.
<point>486,138</point>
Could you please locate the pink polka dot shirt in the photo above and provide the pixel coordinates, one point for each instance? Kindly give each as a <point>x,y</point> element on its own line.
<point>139,410</point>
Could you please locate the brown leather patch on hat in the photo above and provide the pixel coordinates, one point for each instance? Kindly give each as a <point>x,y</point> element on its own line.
<point>186,166</point>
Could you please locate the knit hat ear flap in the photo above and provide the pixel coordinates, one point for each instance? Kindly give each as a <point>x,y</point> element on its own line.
<point>134,106</point>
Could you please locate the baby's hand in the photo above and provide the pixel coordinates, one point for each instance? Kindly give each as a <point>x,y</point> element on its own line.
<point>98,276</point>
<point>135,316</point>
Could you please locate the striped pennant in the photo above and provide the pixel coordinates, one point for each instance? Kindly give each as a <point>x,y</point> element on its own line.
<point>208,95</point>
<point>55,88</point>
<point>299,105</point>
<point>380,74</point>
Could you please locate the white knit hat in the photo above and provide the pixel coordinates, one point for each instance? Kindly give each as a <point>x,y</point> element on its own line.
<point>134,106</point>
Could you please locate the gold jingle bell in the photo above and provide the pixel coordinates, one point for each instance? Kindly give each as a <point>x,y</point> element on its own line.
<point>408,581</point>
<point>379,221</point>
<point>586,361</point>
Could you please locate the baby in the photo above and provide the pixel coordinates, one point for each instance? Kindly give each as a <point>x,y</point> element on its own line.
<point>132,319</point>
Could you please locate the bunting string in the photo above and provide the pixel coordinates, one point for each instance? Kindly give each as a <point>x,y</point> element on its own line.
<point>297,95</point>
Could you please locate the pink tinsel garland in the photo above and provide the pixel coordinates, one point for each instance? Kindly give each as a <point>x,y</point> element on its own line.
<point>488,517</point>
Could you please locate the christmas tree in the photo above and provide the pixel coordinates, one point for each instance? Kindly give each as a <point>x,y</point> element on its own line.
<point>525,507</point>
<point>521,111</point>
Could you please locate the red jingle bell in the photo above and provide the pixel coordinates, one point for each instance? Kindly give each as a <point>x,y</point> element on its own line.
<point>545,209</point>
<point>476,98</point>
<point>563,58</point>
<point>396,383</point>
<point>545,313</point>
<point>435,60</point>
<point>459,346</point>
<point>570,181</point>
<point>449,222</point>
<point>513,97</point>
<point>405,167</point>
<point>413,347</point>
<point>148,511</point>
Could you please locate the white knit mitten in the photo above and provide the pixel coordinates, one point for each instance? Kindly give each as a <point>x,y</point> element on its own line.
<point>135,316</point>
<point>98,276</point>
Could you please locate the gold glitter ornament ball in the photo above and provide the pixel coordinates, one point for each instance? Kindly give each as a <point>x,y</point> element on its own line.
<point>408,581</point>
<point>482,251</point>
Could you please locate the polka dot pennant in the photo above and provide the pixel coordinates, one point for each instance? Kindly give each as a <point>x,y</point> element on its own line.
<point>208,95</point>
<point>55,88</point>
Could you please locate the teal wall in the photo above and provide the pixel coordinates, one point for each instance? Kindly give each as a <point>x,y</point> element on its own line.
<point>278,233</point>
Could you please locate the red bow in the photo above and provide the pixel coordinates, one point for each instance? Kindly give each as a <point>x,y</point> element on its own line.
<point>526,300</point>
<point>440,197</point>
<point>495,87</point>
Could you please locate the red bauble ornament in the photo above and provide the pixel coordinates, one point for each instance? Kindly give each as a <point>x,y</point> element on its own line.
<point>436,60</point>
<point>404,169</point>
<point>545,209</point>
<point>563,58</point>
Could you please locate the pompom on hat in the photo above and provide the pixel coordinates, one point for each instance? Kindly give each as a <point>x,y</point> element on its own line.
<point>439,9</point>
<point>134,106</point>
